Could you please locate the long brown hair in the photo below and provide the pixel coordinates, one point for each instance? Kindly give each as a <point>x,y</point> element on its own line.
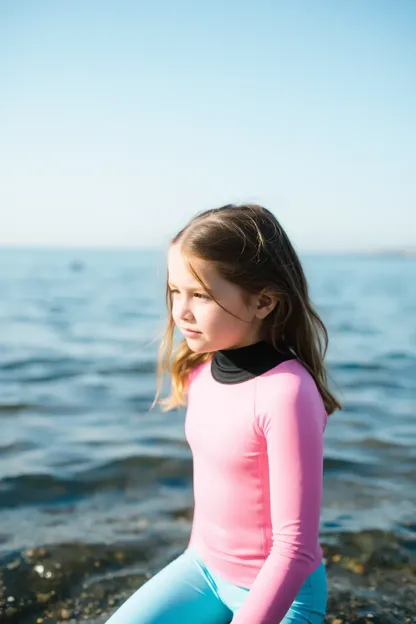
<point>248,247</point>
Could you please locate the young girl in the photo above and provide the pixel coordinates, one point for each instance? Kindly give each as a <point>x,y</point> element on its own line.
<point>251,367</point>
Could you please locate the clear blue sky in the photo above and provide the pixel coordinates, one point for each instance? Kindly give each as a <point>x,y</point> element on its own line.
<point>119,120</point>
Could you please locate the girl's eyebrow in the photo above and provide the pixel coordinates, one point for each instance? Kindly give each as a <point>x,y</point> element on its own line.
<point>199,287</point>
<point>171,285</point>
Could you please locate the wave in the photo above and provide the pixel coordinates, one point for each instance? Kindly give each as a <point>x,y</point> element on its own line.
<point>140,472</point>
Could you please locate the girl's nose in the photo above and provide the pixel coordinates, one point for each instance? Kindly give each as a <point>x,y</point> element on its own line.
<point>185,311</point>
<point>186,314</point>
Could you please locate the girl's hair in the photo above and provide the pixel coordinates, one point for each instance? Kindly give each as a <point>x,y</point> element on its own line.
<point>248,247</point>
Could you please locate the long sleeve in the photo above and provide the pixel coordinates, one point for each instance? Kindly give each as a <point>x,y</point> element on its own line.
<point>293,430</point>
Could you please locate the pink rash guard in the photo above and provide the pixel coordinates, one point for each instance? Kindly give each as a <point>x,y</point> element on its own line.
<point>257,451</point>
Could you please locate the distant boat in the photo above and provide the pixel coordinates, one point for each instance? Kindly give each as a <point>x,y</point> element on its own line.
<point>76,266</point>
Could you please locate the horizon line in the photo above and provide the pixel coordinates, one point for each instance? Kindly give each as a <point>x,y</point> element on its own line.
<point>404,251</point>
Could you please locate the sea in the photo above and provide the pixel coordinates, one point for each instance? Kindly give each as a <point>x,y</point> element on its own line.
<point>83,459</point>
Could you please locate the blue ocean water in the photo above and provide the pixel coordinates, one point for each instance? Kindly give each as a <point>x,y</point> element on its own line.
<point>81,456</point>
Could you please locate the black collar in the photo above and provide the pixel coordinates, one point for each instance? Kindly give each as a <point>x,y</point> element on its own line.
<point>231,366</point>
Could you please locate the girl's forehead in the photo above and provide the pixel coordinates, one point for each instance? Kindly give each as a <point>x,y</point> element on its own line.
<point>180,273</point>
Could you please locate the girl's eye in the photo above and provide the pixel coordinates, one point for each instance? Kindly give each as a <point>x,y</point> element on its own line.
<point>174,291</point>
<point>200,296</point>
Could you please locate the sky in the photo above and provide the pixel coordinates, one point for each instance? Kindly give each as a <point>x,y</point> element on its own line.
<point>120,120</point>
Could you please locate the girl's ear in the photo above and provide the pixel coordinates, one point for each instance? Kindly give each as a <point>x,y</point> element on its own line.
<point>266,303</point>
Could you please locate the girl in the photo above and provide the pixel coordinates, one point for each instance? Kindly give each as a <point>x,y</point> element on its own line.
<point>251,367</point>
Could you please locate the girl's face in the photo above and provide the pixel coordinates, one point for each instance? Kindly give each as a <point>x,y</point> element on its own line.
<point>212,328</point>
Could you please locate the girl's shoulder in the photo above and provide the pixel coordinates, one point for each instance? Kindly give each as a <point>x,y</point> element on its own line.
<point>287,375</point>
<point>289,384</point>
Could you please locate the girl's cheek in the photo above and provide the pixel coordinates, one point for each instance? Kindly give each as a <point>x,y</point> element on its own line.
<point>207,320</point>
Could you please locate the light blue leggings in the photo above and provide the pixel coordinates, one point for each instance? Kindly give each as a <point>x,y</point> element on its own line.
<point>187,592</point>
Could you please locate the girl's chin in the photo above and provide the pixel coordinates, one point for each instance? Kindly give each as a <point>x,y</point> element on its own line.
<point>197,346</point>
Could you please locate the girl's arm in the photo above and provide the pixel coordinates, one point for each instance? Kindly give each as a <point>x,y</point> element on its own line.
<point>293,429</point>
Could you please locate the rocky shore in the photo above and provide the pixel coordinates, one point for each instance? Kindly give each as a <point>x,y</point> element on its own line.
<point>371,577</point>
